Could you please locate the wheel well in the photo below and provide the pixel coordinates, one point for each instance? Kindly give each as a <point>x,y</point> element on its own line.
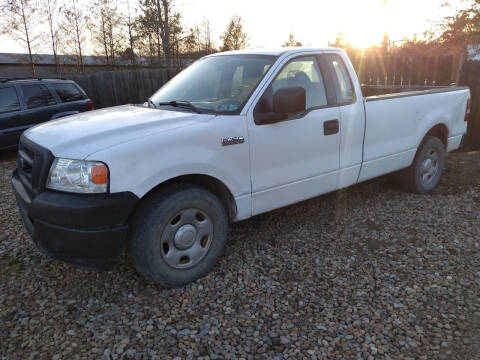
<point>440,131</point>
<point>209,183</point>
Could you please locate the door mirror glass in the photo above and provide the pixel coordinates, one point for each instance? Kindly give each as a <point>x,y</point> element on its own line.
<point>289,100</point>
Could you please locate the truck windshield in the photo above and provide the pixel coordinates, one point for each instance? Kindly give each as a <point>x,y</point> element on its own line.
<point>218,84</point>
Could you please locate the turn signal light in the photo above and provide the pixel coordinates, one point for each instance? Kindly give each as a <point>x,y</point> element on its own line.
<point>99,174</point>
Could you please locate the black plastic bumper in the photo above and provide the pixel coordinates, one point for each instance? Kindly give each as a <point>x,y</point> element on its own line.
<point>89,230</point>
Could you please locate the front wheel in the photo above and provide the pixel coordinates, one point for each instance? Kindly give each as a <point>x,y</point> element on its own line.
<point>178,234</point>
<point>427,167</point>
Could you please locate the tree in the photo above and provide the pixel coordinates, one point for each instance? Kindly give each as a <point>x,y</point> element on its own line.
<point>234,38</point>
<point>198,40</point>
<point>157,20</point>
<point>51,10</point>
<point>191,42</point>
<point>20,22</point>
<point>107,30</point>
<point>457,32</point>
<point>131,24</point>
<point>205,36</point>
<point>291,42</point>
<point>175,40</point>
<point>73,28</point>
<point>339,41</point>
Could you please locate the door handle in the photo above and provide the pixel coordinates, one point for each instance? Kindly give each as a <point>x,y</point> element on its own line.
<point>330,127</point>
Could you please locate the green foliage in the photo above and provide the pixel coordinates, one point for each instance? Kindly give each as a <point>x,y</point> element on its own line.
<point>234,38</point>
<point>291,42</point>
<point>461,29</point>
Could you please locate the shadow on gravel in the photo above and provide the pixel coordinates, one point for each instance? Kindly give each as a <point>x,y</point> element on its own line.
<point>461,173</point>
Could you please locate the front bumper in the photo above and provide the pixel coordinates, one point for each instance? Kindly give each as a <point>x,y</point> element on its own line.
<point>88,230</point>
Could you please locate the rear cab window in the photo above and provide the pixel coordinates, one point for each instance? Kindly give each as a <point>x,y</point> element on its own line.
<point>37,96</point>
<point>9,101</point>
<point>68,92</point>
<point>342,81</point>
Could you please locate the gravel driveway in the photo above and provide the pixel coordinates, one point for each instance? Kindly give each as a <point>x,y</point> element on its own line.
<point>369,272</point>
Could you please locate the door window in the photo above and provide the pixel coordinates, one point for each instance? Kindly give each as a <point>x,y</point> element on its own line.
<point>343,83</point>
<point>68,92</point>
<point>37,96</point>
<point>299,72</point>
<point>9,100</point>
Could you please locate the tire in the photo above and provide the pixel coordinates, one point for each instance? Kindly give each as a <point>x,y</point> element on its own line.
<point>178,234</point>
<point>426,170</point>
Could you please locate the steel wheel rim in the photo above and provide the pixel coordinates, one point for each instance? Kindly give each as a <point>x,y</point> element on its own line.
<point>429,167</point>
<point>186,238</point>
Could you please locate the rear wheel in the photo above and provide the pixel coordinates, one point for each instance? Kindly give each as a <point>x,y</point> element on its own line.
<point>178,235</point>
<point>427,167</point>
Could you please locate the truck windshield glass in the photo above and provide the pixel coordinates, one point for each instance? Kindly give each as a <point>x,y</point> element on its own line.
<point>219,84</point>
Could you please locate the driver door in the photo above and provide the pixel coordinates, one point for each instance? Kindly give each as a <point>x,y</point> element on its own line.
<point>297,158</point>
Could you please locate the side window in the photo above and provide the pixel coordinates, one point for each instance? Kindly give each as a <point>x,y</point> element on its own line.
<point>343,83</point>
<point>299,72</point>
<point>8,100</point>
<point>303,72</point>
<point>37,96</point>
<point>68,92</point>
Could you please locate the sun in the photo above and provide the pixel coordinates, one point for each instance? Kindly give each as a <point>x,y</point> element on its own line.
<point>365,23</point>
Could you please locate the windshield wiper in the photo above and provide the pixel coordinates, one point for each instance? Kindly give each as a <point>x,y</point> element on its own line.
<point>150,102</point>
<point>182,104</point>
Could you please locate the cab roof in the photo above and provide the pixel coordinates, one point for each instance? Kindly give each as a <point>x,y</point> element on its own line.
<point>273,51</point>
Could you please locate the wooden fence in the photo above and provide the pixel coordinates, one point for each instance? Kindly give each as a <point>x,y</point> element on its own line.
<point>110,88</point>
<point>405,70</point>
<point>470,77</point>
<point>424,71</point>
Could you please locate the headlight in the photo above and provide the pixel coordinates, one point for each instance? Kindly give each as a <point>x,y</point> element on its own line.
<point>78,176</point>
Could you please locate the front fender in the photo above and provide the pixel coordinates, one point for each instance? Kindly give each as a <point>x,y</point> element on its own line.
<point>143,163</point>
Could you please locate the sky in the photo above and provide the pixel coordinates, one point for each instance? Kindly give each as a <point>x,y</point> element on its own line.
<point>313,22</point>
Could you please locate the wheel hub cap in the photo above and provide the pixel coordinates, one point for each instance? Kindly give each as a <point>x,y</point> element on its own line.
<point>430,165</point>
<point>185,237</point>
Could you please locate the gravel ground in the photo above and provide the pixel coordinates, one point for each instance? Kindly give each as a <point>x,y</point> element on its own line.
<point>370,272</point>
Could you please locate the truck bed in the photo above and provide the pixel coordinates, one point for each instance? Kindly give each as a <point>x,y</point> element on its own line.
<point>396,122</point>
<point>376,90</point>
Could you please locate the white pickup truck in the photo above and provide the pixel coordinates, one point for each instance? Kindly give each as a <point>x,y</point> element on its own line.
<point>234,135</point>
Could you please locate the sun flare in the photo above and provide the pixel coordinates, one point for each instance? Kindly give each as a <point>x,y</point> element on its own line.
<point>366,23</point>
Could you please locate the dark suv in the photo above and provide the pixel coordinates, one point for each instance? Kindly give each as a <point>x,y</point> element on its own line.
<point>27,102</point>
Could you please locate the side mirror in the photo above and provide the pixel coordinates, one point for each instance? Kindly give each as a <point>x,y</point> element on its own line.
<point>285,101</point>
<point>289,100</point>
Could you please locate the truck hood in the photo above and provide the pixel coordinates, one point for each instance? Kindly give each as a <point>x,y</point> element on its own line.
<point>82,134</point>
